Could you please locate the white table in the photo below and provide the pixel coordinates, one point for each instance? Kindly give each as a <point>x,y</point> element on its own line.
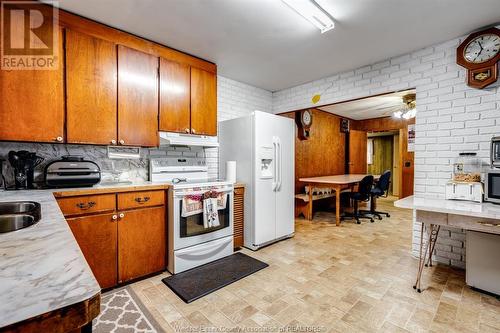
<point>434,213</point>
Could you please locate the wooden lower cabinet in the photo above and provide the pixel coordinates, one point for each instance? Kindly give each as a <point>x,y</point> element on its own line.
<point>122,244</point>
<point>238,213</point>
<point>97,237</point>
<point>141,243</point>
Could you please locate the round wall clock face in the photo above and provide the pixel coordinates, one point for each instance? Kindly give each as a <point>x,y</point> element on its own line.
<point>482,48</point>
<point>306,118</point>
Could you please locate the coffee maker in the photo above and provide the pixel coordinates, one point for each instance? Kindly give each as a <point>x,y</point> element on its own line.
<point>24,162</point>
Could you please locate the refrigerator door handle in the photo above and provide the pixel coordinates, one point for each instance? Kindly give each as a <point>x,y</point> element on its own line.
<point>275,155</point>
<point>280,165</point>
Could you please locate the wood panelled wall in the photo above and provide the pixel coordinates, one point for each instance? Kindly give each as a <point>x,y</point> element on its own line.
<point>406,158</point>
<point>323,153</point>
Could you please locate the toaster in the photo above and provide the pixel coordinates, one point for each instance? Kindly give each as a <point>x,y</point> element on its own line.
<point>72,171</point>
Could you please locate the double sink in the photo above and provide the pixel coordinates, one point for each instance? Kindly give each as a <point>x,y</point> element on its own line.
<point>19,214</point>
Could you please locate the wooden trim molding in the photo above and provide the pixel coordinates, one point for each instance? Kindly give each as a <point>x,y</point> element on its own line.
<point>96,29</point>
<point>63,320</point>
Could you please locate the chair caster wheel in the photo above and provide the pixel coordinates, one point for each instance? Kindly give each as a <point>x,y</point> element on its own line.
<point>418,290</point>
<point>358,222</point>
<point>414,287</point>
<point>388,215</point>
<point>379,217</point>
<point>426,265</point>
<point>372,220</point>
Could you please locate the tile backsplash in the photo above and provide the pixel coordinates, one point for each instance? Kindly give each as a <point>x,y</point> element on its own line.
<point>111,169</point>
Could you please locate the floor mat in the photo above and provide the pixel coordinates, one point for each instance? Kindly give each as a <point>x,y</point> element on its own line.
<point>122,311</point>
<point>203,280</point>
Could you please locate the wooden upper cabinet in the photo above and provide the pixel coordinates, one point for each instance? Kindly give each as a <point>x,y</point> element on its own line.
<point>203,102</point>
<point>91,80</point>
<point>32,103</point>
<point>137,98</point>
<point>175,109</point>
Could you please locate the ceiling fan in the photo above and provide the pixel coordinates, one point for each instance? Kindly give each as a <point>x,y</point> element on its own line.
<point>408,109</point>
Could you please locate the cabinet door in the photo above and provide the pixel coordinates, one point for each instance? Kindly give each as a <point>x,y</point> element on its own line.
<point>141,243</point>
<point>137,98</point>
<point>32,103</point>
<point>175,111</point>
<point>91,91</point>
<point>203,102</point>
<point>97,237</point>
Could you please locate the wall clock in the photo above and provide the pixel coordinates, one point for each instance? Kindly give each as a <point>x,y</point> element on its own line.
<point>303,119</point>
<point>479,54</point>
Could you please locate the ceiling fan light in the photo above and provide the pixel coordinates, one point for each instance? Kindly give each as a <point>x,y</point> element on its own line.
<point>312,12</point>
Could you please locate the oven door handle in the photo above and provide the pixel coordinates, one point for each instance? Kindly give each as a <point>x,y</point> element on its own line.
<point>183,194</point>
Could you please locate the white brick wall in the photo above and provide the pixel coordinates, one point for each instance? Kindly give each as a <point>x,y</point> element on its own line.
<point>236,99</point>
<point>451,117</point>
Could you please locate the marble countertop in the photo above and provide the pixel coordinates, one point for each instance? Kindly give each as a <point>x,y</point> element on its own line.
<point>41,267</point>
<point>456,207</point>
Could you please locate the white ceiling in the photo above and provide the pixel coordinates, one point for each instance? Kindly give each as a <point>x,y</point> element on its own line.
<point>370,107</point>
<point>266,44</point>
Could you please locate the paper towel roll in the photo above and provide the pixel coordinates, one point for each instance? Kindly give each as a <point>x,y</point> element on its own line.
<point>231,171</point>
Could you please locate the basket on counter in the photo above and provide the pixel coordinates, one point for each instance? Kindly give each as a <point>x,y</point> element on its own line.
<point>467,168</point>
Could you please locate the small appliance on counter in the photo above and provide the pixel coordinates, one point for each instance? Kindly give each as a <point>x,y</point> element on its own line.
<point>23,164</point>
<point>492,175</point>
<point>466,183</point>
<point>495,152</point>
<point>72,171</point>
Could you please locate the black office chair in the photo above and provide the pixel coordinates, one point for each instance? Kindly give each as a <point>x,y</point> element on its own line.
<point>381,189</point>
<point>362,194</point>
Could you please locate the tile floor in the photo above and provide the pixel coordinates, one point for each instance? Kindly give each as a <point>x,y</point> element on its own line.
<point>354,278</point>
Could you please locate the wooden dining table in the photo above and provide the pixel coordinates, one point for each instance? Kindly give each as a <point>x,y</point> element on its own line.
<point>337,183</point>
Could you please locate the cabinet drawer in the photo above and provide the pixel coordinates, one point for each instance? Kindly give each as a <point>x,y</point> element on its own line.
<point>140,199</point>
<point>474,223</point>
<point>87,204</point>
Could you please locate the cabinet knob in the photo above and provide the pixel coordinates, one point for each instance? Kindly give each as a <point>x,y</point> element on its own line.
<point>113,142</point>
<point>114,217</point>
<point>193,130</point>
<point>121,215</point>
<point>122,142</point>
<point>59,139</point>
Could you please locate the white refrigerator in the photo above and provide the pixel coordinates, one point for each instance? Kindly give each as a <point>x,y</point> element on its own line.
<point>263,146</point>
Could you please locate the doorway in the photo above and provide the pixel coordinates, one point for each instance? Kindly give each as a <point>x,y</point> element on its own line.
<point>383,154</point>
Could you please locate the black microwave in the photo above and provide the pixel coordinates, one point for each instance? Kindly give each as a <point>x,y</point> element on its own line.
<point>492,186</point>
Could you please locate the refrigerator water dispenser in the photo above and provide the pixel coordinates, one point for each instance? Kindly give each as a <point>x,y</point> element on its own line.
<point>266,162</point>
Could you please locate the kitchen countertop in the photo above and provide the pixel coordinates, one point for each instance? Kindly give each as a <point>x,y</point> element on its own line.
<point>109,188</point>
<point>42,267</point>
<point>456,207</point>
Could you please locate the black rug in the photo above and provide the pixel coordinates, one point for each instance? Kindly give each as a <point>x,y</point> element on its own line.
<point>203,280</point>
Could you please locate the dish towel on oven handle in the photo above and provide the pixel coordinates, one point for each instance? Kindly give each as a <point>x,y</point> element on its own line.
<point>210,213</point>
<point>193,204</point>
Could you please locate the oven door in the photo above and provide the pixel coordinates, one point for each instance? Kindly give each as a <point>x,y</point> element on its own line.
<point>189,231</point>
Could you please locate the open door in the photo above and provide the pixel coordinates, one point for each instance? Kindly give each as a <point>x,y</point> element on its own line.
<point>406,165</point>
<point>358,143</point>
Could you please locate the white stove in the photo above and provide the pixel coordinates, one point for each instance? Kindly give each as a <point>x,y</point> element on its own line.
<point>191,242</point>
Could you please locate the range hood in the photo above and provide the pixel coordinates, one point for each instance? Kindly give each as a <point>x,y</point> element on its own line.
<point>178,139</point>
